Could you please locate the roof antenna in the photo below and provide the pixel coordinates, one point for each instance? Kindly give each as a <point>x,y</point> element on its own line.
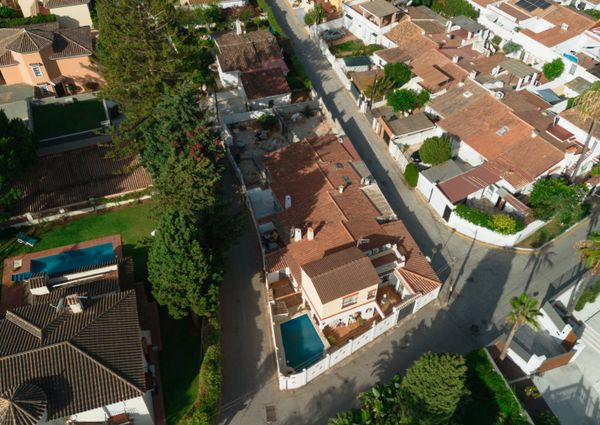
<point>59,306</point>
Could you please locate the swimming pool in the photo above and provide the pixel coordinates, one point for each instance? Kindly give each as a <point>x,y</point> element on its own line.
<point>74,259</point>
<point>301,343</point>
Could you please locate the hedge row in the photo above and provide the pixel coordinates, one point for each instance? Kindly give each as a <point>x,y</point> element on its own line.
<point>479,364</point>
<point>262,4</point>
<point>18,22</point>
<point>204,411</point>
<point>500,223</point>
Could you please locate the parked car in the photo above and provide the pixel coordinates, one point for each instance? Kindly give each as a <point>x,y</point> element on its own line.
<point>330,35</point>
<point>416,157</point>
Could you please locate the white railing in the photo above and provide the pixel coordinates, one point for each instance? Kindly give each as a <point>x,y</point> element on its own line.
<point>297,380</point>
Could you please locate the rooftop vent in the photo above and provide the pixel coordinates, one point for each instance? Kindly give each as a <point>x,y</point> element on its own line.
<point>564,26</point>
<point>347,180</point>
<point>502,131</point>
<point>73,302</point>
<point>339,165</point>
<point>467,94</point>
<point>288,202</point>
<point>310,233</point>
<point>297,234</point>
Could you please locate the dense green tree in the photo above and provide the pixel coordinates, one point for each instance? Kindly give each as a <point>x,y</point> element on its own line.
<point>397,74</point>
<point>552,198</point>
<point>315,16</point>
<point>402,100</point>
<point>18,152</point>
<point>432,388</point>
<point>183,272</point>
<point>411,174</point>
<point>524,311</point>
<point>142,52</point>
<point>178,124</point>
<point>209,15</point>
<point>554,69</point>
<point>435,150</point>
<point>450,8</point>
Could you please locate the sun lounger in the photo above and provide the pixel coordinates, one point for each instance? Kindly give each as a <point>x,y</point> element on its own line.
<point>26,240</point>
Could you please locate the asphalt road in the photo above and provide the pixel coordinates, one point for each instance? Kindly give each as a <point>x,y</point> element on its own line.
<point>486,278</point>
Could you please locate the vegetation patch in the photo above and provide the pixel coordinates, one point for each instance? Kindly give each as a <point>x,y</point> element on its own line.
<point>557,199</point>
<point>411,174</point>
<point>500,223</point>
<point>588,296</point>
<point>435,150</point>
<point>554,69</point>
<point>275,27</point>
<point>450,8</point>
<point>490,401</point>
<point>354,48</point>
<point>11,18</point>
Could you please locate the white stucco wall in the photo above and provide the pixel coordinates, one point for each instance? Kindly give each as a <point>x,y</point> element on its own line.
<point>470,155</point>
<point>547,323</point>
<point>530,366</point>
<point>139,409</point>
<point>26,6</point>
<point>73,16</point>
<point>278,100</point>
<point>364,29</point>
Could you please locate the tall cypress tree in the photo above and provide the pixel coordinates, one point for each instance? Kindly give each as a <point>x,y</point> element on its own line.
<point>141,54</point>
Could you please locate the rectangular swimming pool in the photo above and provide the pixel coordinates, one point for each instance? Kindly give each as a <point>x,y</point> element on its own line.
<point>74,259</point>
<point>301,343</point>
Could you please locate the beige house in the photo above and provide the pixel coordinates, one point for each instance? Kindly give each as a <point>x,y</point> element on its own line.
<point>70,13</point>
<point>54,61</point>
<point>341,286</point>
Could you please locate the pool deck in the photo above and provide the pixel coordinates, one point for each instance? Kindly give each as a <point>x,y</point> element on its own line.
<point>13,294</point>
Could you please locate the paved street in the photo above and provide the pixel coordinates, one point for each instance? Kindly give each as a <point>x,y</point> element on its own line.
<point>486,278</point>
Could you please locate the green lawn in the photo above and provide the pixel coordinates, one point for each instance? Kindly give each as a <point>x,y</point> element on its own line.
<point>179,366</point>
<point>354,48</point>
<point>180,357</point>
<point>60,119</point>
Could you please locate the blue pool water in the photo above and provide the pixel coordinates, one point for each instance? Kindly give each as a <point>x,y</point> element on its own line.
<point>301,343</point>
<point>572,58</point>
<point>71,260</point>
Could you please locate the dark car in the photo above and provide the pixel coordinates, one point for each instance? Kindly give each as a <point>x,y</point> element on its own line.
<point>416,157</point>
<point>329,35</point>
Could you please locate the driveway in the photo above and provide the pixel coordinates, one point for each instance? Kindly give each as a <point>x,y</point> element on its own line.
<point>486,278</point>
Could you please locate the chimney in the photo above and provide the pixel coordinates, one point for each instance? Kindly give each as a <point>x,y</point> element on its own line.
<point>73,301</point>
<point>455,58</point>
<point>341,188</point>
<point>340,139</point>
<point>288,202</point>
<point>238,27</point>
<point>297,234</point>
<point>448,26</point>
<point>473,74</point>
<point>534,133</point>
<point>564,26</point>
<point>310,233</point>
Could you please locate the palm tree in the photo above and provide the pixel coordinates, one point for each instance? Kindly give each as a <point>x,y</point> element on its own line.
<point>588,105</point>
<point>524,312</point>
<point>589,251</point>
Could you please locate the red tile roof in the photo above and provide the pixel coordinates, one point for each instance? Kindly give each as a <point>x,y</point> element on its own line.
<point>342,273</point>
<point>264,83</point>
<point>311,172</point>
<point>458,188</point>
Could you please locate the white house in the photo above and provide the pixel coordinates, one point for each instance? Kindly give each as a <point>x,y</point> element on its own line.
<point>369,20</point>
<point>69,13</point>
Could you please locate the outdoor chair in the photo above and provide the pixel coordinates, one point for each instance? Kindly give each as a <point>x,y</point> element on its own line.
<point>26,240</point>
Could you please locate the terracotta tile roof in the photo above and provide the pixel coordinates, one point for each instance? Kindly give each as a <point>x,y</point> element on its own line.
<point>247,51</point>
<point>76,176</point>
<point>558,15</point>
<point>577,119</point>
<point>393,55</point>
<point>525,162</point>
<point>458,188</point>
<point>416,263</point>
<point>364,80</point>
<point>342,273</point>
<point>457,99</point>
<point>22,405</point>
<point>81,361</point>
<point>487,126</point>
<point>264,83</point>
<point>513,11</point>
<point>484,3</point>
<point>437,71</point>
<point>68,42</point>
<point>311,171</point>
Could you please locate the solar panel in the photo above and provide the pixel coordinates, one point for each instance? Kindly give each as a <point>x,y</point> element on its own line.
<point>531,5</point>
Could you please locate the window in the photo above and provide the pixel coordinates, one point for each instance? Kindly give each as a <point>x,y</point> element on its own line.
<point>37,70</point>
<point>371,294</point>
<point>43,89</point>
<point>350,300</point>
